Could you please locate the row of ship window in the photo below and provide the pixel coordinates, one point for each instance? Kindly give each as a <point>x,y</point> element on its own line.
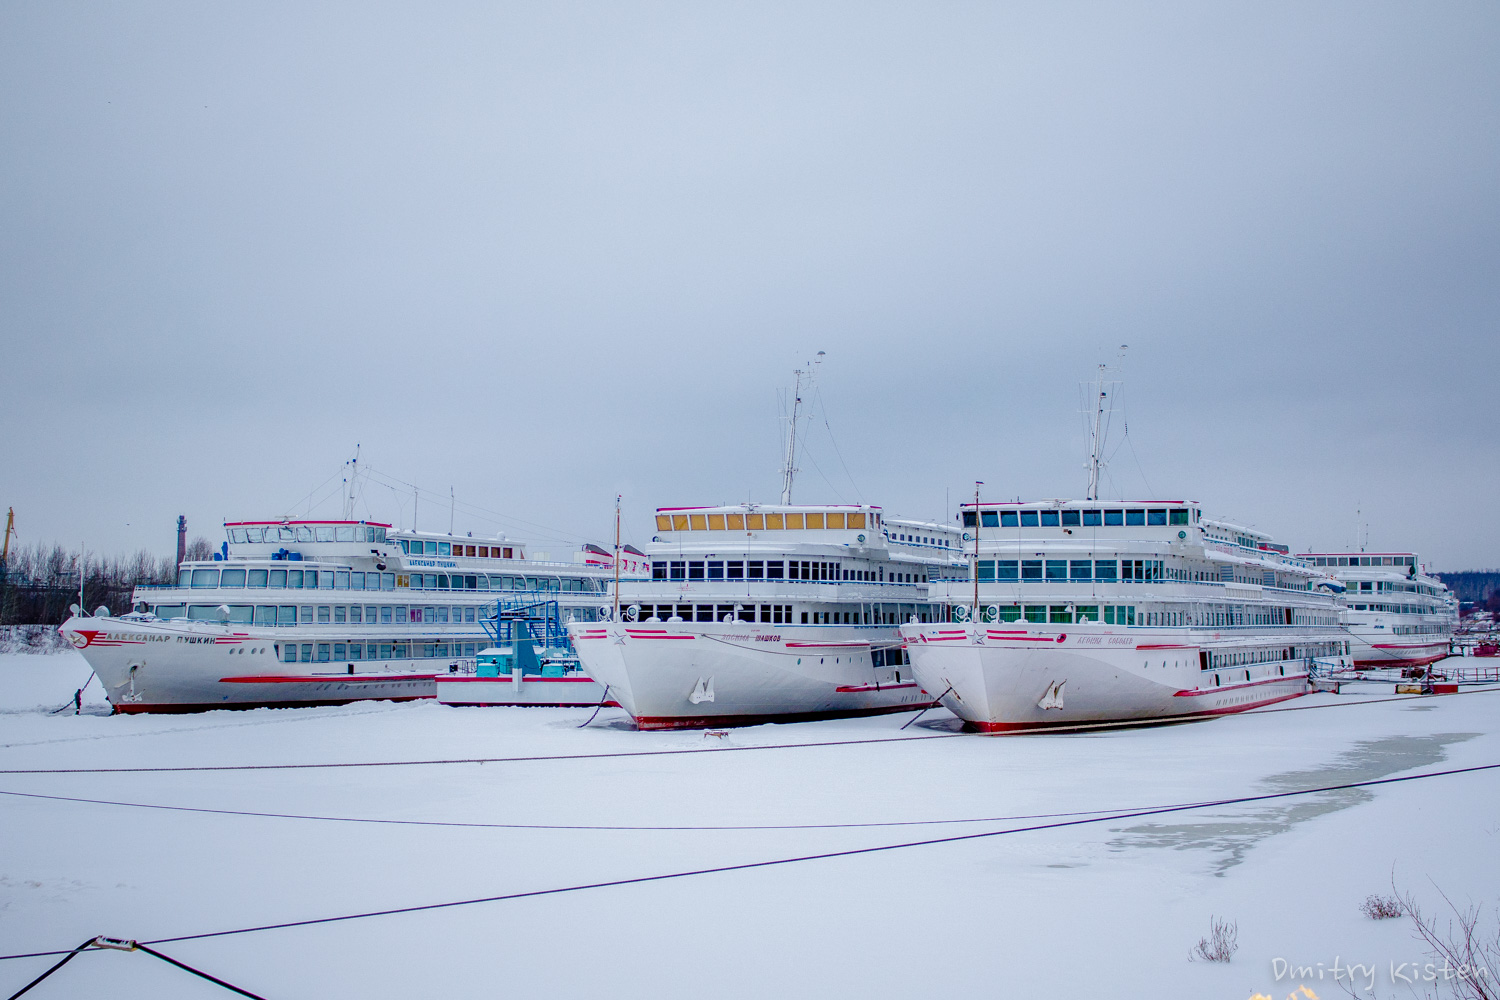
<point>417,547</point>
<point>1059,570</point>
<point>776,569</point>
<point>1364,560</point>
<point>479,581</point>
<point>308,614</point>
<point>334,652</point>
<point>343,579</point>
<point>1067,614</point>
<point>1214,661</point>
<point>308,533</point>
<point>776,614</point>
<point>1395,609</point>
<point>284,579</point>
<point>762,522</point>
<point>1146,516</point>
<point>1419,629</point>
<point>1389,586</point>
<point>942,543</point>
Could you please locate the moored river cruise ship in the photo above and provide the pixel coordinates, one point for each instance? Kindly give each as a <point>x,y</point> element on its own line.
<point>1395,614</point>
<point>312,612</point>
<point>1094,612</point>
<point>769,613</point>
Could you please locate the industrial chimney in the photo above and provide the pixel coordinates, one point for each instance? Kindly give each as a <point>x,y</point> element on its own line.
<point>181,538</point>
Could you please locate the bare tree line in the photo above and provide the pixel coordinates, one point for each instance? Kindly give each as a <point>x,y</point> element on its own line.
<point>39,582</point>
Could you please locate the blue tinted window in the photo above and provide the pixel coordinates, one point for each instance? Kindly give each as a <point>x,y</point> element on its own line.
<point>679,570</point>
<point>1028,519</point>
<point>1180,516</point>
<point>1135,517</point>
<point>1005,569</point>
<point>1156,516</point>
<point>1008,519</point>
<point>1057,569</point>
<point>1105,570</point>
<point>695,571</point>
<point>716,571</point>
<point>988,519</point>
<point>1049,518</point>
<point>1080,569</point>
<point>1031,569</point>
<point>1070,518</point>
<point>986,570</point>
<point>1092,517</point>
<point>1114,517</point>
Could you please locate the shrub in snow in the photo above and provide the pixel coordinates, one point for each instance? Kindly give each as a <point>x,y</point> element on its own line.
<point>1378,907</point>
<point>1222,942</point>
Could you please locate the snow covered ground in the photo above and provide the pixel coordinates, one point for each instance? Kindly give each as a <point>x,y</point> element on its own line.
<point>1107,909</point>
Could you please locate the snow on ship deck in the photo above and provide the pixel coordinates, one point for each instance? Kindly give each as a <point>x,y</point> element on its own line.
<point>1107,909</point>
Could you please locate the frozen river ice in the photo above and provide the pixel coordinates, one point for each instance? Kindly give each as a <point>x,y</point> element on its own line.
<point>1104,909</point>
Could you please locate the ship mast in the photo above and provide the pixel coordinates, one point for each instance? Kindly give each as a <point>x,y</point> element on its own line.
<point>349,497</point>
<point>974,570</point>
<point>617,558</point>
<point>789,468</point>
<point>1095,444</point>
<point>1099,390</point>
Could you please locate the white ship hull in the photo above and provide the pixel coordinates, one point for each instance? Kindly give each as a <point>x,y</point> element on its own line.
<point>1374,645</point>
<point>1007,678</point>
<point>684,675</point>
<point>180,666</point>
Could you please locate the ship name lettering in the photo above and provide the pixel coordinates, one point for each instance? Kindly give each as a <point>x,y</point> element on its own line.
<point>768,638</point>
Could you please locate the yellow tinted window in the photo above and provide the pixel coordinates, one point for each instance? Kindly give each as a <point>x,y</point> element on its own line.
<point>794,521</point>
<point>815,520</point>
<point>757,522</point>
<point>736,522</point>
<point>698,521</point>
<point>716,522</point>
<point>663,522</point>
<point>773,522</point>
<point>835,520</point>
<point>679,522</point>
<point>857,520</point>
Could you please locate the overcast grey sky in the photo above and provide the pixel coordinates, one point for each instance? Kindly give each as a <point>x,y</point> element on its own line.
<point>543,254</point>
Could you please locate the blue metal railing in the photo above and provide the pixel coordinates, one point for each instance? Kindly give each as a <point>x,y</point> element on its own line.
<point>543,622</point>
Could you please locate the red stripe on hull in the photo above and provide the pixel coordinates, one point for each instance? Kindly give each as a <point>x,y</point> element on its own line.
<point>531,704</point>
<point>1414,661</point>
<point>135,708</point>
<point>1016,727</point>
<point>714,722</point>
<point>324,678</point>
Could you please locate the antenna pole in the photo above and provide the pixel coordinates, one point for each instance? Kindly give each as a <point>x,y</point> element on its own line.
<point>789,470</point>
<point>1094,444</point>
<point>617,557</point>
<point>10,527</point>
<point>353,474</point>
<point>974,570</point>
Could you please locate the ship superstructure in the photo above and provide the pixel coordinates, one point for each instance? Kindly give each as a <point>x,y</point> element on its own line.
<point>1089,612</point>
<point>758,613</point>
<point>298,612</point>
<point>1395,613</point>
